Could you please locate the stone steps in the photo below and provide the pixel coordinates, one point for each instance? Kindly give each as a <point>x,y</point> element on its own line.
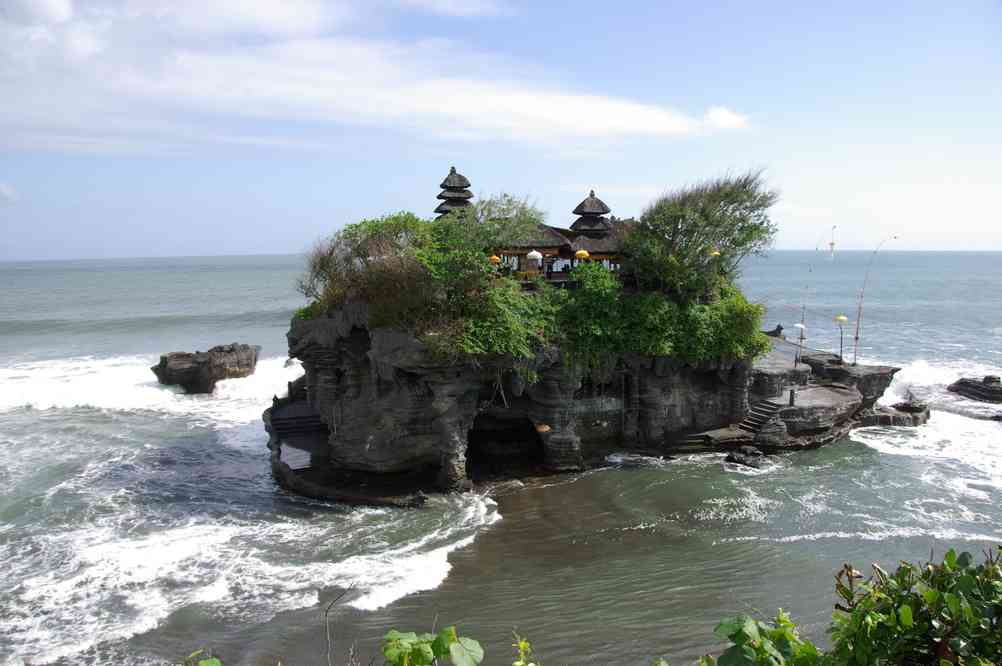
<point>759,414</point>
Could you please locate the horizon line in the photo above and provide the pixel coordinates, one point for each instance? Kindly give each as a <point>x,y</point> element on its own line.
<point>293,254</point>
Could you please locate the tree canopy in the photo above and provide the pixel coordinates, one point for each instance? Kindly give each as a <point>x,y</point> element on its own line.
<point>690,241</point>
<point>434,278</point>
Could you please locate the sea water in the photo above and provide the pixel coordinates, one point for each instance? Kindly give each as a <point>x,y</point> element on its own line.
<point>138,524</point>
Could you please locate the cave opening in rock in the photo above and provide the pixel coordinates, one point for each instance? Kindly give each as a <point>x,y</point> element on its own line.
<point>502,445</point>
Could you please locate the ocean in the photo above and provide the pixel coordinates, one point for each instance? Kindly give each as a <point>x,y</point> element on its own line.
<point>138,524</point>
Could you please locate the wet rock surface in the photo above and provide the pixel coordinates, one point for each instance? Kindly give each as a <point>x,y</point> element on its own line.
<point>986,389</point>
<point>902,414</point>
<point>198,372</point>
<point>749,456</point>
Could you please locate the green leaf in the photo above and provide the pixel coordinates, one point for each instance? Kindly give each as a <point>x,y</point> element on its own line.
<point>964,560</point>
<point>905,616</point>
<point>445,638</point>
<point>466,652</point>
<point>738,655</point>
<point>212,661</point>
<point>729,627</point>
<point>953,603</point>
<point>930,595</point>
<point>950,559</point>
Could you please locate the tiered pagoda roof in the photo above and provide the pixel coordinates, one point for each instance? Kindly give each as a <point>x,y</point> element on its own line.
<point>592,221</point>
<point>454,193</point>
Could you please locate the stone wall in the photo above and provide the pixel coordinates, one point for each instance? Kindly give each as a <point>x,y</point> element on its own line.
<point>391,407</point>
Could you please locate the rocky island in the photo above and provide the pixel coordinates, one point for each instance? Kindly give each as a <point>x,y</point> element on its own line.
<point>198,372</point>
<point>486,344</point>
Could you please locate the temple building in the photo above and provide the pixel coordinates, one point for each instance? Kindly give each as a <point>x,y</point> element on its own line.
<point>454,193</point>
<point>592,237</point>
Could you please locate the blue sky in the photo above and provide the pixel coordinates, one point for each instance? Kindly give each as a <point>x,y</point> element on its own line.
<point>194,127</point>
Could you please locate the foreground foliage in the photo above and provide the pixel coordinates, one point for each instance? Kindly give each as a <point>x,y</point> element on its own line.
<point>937,614</point>
<point>940,613</point>
<point>412,649</point>
<point>434,278</point>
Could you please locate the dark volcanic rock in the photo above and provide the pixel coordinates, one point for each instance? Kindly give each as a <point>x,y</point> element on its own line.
<point>987,389</point>
<point>199,372</point>
<point>748,456</point>
<point>902,414</point>
<point>392,407</point>
<point>870,380</point>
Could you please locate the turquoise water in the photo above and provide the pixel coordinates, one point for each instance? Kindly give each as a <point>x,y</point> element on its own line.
<point>137,523</point>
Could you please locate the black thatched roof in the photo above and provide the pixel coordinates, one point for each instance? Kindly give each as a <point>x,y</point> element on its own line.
<point>592,223</point>
<point>592,206</point>
<point>455,194</point>
<point>448,205</point>
<point>545,237</point>
<point>610,244</point>
<point>455,181</point>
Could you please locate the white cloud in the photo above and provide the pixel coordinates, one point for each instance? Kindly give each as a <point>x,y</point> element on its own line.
<point>462,8</point>
<point>266,17</point>
<point>37,11</point>
<point>722,118</point>
<point>161,65</point>
<point>7,193</point>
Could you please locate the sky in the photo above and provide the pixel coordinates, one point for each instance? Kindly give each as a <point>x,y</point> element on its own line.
<point>203,127</point>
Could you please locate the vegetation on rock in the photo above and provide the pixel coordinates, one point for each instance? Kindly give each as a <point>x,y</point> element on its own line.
<point>434,278</point>
<point>689,241</point>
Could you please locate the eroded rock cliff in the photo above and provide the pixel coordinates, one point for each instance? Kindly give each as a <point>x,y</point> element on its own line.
<point>391,407</point>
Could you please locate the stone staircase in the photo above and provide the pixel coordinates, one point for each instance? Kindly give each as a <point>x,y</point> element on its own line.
<point>759,414</point>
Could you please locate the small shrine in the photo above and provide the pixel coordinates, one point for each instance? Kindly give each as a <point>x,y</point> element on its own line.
<point>454,194</point>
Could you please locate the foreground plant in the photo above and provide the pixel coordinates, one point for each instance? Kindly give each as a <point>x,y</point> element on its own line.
<point>946,612</point>
<point>412,649</point>
<point>936,614</point>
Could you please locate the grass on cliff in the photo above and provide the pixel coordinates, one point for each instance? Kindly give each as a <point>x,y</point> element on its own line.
<point>434,278</point>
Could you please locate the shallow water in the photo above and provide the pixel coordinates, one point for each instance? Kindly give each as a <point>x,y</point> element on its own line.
<point>138,524</point>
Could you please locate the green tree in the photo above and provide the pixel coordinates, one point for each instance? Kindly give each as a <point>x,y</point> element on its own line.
<point>690,241</point>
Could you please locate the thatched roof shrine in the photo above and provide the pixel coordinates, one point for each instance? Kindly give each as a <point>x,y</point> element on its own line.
<point>454,194</point>
<point>591,220</point>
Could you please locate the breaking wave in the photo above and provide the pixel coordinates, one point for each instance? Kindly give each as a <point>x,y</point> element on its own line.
<point>126,383</point>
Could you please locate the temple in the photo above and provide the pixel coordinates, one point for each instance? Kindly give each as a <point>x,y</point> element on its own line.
<point>554,251</point>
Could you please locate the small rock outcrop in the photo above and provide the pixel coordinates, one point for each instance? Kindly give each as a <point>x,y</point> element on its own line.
<point>910,413</point>
<point>198,372</point>
<point>748,456</point>
<point>986,389</point>
<point>870,380</point>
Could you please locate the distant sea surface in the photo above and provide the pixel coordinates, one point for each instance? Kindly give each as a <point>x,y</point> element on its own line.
<point>138,524</point>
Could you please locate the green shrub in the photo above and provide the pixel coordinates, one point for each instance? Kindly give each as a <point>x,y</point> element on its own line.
<point>687,239</point>
<point>598,320</point>
<point>434,279</point>
<point>949,611</point>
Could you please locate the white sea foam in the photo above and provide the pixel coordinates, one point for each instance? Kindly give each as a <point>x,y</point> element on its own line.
<point>947,436</point>
<point>126,383</point>
<point>928,381</point>
<point>944,534</point>
<point>635,460</point>
<point>106,585</point>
